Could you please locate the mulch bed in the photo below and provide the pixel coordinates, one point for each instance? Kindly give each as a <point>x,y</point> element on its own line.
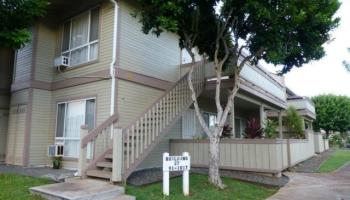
<point>148,176</point>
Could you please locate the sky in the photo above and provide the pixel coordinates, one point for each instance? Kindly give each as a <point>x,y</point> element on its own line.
<point>328,75</point>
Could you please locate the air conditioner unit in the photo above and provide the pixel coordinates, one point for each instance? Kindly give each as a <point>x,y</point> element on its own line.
<point>61,62</point>
<point>55,150</point>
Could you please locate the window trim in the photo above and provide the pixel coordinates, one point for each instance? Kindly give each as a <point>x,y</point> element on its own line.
<point>88,44</point>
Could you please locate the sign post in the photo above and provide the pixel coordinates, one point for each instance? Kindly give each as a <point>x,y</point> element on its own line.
<point>176,163</point>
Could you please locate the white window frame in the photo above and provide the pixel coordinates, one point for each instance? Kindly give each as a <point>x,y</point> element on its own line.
<point>62,139</point>
<point>88,44</point>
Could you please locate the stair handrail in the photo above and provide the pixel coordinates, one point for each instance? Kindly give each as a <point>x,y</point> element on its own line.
<point>98,130</point>
<point>140,134</point>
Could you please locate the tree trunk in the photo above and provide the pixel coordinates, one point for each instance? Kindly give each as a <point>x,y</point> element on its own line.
<point>214,161</point>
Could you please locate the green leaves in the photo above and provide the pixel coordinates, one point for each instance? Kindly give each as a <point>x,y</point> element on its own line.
<point>294,122</point>
<point>333,113</point>
<point>291,32</point>
<point>16,16</point>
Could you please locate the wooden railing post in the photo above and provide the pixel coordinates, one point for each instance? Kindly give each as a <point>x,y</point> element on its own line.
<point>118,153</point>
<point>289,156</point>
<point>82,152</point>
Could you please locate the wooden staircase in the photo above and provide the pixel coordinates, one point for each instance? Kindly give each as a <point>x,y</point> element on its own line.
<point>103,168</point>
<point>145,132</point>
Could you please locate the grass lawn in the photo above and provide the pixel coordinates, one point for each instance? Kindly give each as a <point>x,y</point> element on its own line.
<point>16,187</point>
<point>335,161</point>
<point>201,189</point>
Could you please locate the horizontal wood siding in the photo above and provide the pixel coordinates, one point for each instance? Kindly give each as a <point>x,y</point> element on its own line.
<point>24,62</point>
<point>20,97</point>
<point>133,99</point>
<point>105,47</point>
<point>238,154</point>
<point>16,127</point>
<point>15,138</point>
<point>150,55</point>
<point>45,53</point>
<point>40,127</point>
<point>154,159</point>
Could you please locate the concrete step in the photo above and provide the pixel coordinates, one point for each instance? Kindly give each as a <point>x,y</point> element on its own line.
<point>80,190</point>
<point>99,174</point>
<point>125,197</point>
<point>105,164</point>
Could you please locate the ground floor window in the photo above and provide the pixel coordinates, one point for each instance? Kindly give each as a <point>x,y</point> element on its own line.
<point>238,128</point>
<point>70,116</point>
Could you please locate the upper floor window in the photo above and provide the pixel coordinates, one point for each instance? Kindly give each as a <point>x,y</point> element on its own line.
<point>80,38</point>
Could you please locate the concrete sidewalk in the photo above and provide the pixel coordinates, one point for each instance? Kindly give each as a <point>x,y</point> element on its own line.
<point>316,186</point>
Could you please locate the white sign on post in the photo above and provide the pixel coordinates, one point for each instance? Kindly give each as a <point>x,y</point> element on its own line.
<point>176,163</point>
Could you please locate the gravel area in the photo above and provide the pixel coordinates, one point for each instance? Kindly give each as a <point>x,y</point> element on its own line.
<point>312,165</point>
<point>148,176</point>
<point>58,175</point>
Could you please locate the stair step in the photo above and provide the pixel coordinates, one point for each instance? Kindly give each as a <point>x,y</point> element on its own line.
<point>109,156</point>
<point>104,164</point>
<point>99,174</point>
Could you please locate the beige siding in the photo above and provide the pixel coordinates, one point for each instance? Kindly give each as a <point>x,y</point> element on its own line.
<point>20,97</point>
<point>16,127</point>
<point>147,54</point>
<point>154,159</point>
<point>23,63</point>
<point>45,54</point>
<point>40,129</point>
<point>133,99</point>
<point>15,138</point>
<point>105,47</point>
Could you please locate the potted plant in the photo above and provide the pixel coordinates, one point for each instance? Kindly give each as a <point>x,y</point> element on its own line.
<point>57,162</point>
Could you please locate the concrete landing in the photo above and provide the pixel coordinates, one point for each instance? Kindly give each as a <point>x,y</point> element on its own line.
<point>86,189</point>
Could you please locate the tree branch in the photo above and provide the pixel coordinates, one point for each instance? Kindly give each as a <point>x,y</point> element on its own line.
<point>250,57</point>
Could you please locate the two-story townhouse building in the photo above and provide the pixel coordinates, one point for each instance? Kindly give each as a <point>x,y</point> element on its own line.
<point>117,76</point>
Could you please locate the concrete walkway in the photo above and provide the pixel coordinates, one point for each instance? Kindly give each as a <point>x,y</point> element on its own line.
<point>57,175</point>
<point>316,186</point>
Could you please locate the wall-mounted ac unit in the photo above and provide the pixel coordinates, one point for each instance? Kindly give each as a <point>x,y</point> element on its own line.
<point>61,63</point>
<point>55,150</point>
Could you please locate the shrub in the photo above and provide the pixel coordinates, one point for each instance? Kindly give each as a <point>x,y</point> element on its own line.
<point>226,132</point>
<point>270,128</point>
<point>335,140</point>
<point>253,129</point>
<point>294,123</point>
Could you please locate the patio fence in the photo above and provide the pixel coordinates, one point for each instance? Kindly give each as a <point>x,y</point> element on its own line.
<point>256,155</point>
<point>321,144</point>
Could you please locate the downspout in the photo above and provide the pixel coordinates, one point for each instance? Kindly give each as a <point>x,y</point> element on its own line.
<point>114,60</point>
